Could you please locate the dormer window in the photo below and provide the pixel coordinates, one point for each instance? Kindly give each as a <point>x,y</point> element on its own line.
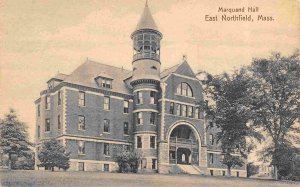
<point>104,82</point>
<point>184,89</point>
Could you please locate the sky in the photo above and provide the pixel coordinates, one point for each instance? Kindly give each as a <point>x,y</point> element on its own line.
<point>39,38</point>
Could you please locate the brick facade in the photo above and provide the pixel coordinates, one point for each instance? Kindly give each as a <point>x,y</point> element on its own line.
<point>99,110</point>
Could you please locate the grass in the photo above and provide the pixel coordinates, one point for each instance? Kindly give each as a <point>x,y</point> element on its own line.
<point>74,179</point>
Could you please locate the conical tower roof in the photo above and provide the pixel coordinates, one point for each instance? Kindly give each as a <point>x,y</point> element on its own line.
<point>146,20</point>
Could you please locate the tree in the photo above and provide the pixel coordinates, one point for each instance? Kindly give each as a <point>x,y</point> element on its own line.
<point>275,99</point>
<point>228,106</point>
<point>128,161</point>
<point>14,138</point>
<point>251,169</point>
<point>53,155</point>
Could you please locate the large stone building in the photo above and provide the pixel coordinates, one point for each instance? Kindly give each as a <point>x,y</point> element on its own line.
<point>99,110</point>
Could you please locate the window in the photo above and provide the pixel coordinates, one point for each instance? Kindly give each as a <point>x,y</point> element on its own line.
<point>81,101</point>
<point>152,142</point>
<point>152,97</point>
<point>47,125</point>
<point>212,172</point>
<point>171,108</point>
<point>39,131</point>
<point>106,125</point>
<point>184,89</point>
<point>126,107</point>
<point>237,174</point>
<point>179,109</point>
<point>105,82</point>
<point>223,173</point>
<point>106,167</point>
<point>126,147</point>
<point>139,97</point>
<point>81,122</point>
<point>80,166</point>
<point>153,163</point>
<point>47,102</point>
<point>81,147</point>
<point>59,98</point>
<point>106,149</point>
<point>211,158</point>
<point>139,142</point>
<point>39,110</point>
<point>126,128</point>
<point>184,111</point>
<point>58,122</point>
<point>152,118</point>
<point>139,118</point>
<point>211,139</point>
<point>211,124</point>
<point>106,105</point>
<point>197,115</point>
<point>190,111</point>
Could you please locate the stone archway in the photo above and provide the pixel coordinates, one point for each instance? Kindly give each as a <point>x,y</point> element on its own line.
<point>184,144</point>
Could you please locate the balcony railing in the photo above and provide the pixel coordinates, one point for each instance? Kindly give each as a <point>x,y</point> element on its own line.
<point>146,55</point>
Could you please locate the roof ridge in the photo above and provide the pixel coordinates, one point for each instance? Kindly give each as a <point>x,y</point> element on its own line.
<point>121,68</point>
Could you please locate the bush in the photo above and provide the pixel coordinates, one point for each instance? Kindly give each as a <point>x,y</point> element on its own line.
<point>128,161</point>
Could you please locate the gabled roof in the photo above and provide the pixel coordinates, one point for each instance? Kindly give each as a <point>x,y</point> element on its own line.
<point>58,76</point>
<point>182,69</point>
<point>146,20</point>
<point>86,73</point>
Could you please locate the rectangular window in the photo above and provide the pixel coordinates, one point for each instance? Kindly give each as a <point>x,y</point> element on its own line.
<point>106,167</point>
<point>184,111</point>
<point>211,124</point>
<point>39,131</point>
<point>47,125</point>
<point>152,142</point>
<point>106,149</point>
<point>211,158</point>
<point>197,113</point>
<point>81,122</point>
<point>59,98</point>
<point>152,118</point>
<point>139,97</point>
<point>211,139</point>
<point>106,105</point>
<point>108,84</point>
<point>139,118</point>
<point>212,172</point>
<point>179,109</point>
<point>81,147</point>
<point>80,166</point>
<point>153,163</point>
<point>81,101</point>
<point>106,125</point>
<point>190,111</point>
<point>152,97</point>
<point>223,173</point>
<point>39,110</point>
<point>237,174</point>
<point>126,107</point>
<point>171,108</point>
<point>139,142</point>
<point>47,102</point>
<point>58,122</point>
<point>126,128</point>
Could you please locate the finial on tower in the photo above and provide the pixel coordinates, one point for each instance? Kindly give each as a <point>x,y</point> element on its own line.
<point>184,57</point>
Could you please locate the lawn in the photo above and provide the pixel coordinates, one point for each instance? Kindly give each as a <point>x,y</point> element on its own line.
<point>47,178</point>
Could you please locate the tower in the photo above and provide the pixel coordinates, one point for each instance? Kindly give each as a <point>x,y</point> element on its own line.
<point>145,82</point>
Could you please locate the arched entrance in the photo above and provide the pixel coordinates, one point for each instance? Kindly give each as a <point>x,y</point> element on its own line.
<point>183,145</point>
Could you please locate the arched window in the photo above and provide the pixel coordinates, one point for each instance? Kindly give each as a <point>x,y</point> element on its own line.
<point>184,89</point>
